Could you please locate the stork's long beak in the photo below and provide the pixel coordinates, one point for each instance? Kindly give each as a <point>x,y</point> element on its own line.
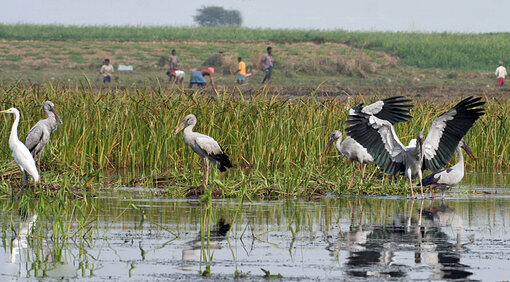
<point>469,151</point>
<point>57,116</point>
<point>328,147</point>
<point>178,129</point>
<point>6,111</point>
<point>420,142</point>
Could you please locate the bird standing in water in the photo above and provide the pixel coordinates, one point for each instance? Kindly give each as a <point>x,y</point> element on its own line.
<point>445,179</point>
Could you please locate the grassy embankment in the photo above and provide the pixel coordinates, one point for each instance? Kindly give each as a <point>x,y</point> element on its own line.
<point>275,142</point>
<point>303,57</point>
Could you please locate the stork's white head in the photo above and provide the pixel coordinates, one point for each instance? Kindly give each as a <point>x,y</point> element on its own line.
<point>50,107</point>
<point>190,119</point>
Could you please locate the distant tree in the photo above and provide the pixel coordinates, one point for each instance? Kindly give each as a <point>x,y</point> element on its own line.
<point>214,15</point>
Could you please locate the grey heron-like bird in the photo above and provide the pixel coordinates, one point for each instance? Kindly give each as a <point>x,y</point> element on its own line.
<point>206,147</point>
<point>446,178</point>
<point>40,133</point>
<point>20,153</point>
<point>393,109</point>
<point>445,133</point>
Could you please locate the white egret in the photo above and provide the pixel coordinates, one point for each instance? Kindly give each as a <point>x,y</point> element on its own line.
<point>20,152</point>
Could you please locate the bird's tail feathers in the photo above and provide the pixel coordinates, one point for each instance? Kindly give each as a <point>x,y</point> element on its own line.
<point>222,160</point>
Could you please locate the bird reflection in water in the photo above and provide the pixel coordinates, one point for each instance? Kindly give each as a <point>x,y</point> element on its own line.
<point>192,254</point>
<point>372,249</point>
<point>438,252</point>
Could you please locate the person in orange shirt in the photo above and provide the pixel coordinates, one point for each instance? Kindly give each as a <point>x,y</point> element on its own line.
<point>241,77</point>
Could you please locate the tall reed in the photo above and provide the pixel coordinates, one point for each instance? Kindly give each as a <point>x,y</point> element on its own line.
<point>275,142</point>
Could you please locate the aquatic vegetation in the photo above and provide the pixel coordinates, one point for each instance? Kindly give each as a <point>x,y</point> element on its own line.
<point>274,141</point>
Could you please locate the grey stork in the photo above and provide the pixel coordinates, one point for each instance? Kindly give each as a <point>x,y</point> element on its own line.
<point>393,109</point>
<point>445,133</point>
<point>40,133</point>
<point>206,147</point>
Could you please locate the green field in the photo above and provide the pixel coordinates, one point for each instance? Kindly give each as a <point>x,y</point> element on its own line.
<point>303,58</point>
<point>450,51</point>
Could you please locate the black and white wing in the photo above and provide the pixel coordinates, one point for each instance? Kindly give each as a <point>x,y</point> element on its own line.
<point>447,130</point>
<point>213,151</point>
<point>380,140</point>
<point>394,109</point>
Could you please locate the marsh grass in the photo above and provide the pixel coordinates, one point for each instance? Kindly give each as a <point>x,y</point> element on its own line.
<point>274,141</point>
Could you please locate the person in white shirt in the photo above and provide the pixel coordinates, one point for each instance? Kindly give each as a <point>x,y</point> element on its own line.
<point>501,74</point>
<point>106,71</point>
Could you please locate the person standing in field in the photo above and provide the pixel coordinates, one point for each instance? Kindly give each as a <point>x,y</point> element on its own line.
<point>501,74</point>
<point>267,64</point>
<point>197,77</point>
<point>241,77</point>
<point>174,64</point>
<point>106,71</point>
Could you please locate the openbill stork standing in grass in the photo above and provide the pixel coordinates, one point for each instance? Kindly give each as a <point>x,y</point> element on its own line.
<point>445,133</point>
<point>206,147</point>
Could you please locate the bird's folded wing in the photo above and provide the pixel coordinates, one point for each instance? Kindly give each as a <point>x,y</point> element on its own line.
<point>208,145</point>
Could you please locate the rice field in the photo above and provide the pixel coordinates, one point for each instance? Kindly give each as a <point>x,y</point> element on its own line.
<point>275,142</point>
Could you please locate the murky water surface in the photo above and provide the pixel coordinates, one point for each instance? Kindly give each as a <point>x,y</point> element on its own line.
<point>466,236</point>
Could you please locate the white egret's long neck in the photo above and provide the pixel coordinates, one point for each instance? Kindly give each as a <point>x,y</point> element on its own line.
<point>14,130</point>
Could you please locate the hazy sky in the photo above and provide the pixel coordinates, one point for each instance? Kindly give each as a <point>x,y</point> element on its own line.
<point>377,15</point>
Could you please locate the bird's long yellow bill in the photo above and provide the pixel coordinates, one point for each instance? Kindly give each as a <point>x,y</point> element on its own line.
<point>6,111</point>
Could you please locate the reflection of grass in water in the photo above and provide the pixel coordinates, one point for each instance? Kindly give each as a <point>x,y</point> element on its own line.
<point>61,221</point>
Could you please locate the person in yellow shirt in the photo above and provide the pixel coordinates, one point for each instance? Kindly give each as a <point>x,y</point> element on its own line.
<point>241,77</point>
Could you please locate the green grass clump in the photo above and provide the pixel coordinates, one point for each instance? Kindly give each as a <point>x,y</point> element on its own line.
<point>275,142</point>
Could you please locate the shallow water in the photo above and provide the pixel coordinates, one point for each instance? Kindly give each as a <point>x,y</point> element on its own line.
<point>119,235</point>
